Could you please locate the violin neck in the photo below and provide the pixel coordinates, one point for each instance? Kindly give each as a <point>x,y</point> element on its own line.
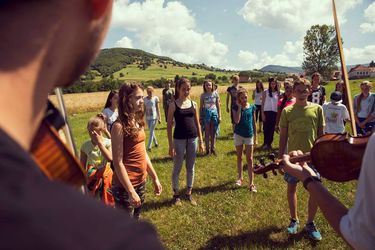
<point>301,158</point>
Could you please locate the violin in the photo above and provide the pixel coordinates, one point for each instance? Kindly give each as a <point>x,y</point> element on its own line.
<point>337,157</point>
<point>53,157</point>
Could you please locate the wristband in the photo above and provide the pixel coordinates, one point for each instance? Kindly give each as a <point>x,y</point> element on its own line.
<point>310,179</point>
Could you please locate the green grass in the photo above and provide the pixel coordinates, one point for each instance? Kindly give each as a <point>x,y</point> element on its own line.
<point>132,72</point>
<point>227,217</point>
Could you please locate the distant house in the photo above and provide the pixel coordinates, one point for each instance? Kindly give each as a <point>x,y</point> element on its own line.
<point>361,71</point>
<point>244,79</point>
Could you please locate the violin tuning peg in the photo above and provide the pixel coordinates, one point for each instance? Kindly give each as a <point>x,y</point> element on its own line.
<point>265,175</point>
<point>272,157</point>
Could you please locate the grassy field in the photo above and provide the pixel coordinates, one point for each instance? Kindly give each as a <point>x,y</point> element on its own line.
<point>132,72</point>
<point>228,217</point>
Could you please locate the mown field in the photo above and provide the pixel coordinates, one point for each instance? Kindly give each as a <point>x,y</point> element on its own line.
<point>226,217</point>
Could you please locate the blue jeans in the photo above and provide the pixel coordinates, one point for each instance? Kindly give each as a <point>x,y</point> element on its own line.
<point>151,126</point>
<point>184,147</point>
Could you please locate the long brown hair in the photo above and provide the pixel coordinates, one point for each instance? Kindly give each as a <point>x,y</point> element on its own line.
<point>126,116</point>
<point>108,103</point>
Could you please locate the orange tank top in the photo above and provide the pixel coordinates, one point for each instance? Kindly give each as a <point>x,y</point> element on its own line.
<point>134,159</point>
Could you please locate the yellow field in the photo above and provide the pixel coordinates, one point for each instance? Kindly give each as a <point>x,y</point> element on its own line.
<point>85,102</point>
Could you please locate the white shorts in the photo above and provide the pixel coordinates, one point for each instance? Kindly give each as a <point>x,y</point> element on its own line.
<point>239,140</point>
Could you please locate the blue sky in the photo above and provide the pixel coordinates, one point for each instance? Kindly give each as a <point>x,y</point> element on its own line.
<point>239,34</point>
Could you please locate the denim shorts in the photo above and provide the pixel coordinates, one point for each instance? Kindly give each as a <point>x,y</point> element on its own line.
<point>293,180</point>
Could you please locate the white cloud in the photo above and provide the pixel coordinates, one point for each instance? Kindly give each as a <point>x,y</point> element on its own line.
<point>294,15</point>
<point>360,55</point>
<point>168,29</point>
<point>125,42</point>
<point>369,26</point>
<point>292,55</point>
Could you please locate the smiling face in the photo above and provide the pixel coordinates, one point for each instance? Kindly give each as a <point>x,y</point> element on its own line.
<point>301,92</point>
<point>208,86</point>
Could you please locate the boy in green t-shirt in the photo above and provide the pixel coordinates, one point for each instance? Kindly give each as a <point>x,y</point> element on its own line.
<point>300,125</point>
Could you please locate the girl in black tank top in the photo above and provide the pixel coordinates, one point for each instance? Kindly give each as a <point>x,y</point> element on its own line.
<point>185,124</point>
<point>184,141</point>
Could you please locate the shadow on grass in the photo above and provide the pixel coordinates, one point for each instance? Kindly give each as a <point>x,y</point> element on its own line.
<point>156,205</point>
<point>212,189</point>
<point>254,239</point>
<point>225,138</point>
<point>162,160</point>
<point>162,128</point>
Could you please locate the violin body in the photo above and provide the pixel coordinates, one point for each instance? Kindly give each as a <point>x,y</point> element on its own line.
<point>338,157</point>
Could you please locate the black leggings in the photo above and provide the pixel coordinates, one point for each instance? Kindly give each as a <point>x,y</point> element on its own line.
<point>269,127</point>
<point>258,113</point>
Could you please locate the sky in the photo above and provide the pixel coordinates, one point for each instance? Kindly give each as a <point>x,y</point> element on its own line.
<point>239,34</point>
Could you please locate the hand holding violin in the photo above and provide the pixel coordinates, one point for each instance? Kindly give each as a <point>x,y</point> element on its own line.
<point>299,169</point>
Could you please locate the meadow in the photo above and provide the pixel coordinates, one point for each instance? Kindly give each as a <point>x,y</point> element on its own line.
<point>227,217</point>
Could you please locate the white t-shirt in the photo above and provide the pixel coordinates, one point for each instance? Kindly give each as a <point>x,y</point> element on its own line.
<point>111,116</point>
<point>270,103</point>
<point>335,116</point>
<point>150,107</point>
<point>358,225</point>
<point>258,98</point>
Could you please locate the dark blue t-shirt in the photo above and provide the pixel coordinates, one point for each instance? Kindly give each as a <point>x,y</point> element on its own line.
<point>245,127</point>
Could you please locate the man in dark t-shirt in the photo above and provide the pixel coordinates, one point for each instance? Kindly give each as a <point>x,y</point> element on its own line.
<point>36,213</point>
<point>318,92</point>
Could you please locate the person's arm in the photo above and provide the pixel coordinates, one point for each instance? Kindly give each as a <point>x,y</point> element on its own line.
<point>332,209</point>
<point>321,122</point>
<point>158,110</point>
<point>171,110</point>
<point>83,159</point>
<point>253,96</point>
<point>120,169</point>
<point>196,119</point>
<point>255,129</point>
<point>283,140</point>
<point>262,107</point>
<point>218,106</point>
<point>237,114</point>
<point>228,96</point>
<point>99,140</point>
<point>155,180</point>
<point>277,128</point>
<point>324,95</point>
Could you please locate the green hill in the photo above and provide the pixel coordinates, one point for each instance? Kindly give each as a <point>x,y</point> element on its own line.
<point>134,64</point>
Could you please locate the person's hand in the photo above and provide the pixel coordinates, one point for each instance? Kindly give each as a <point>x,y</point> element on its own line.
<point>277,129</point>
<point>255,143</point>
<point>263,117</point>
<point>172,152</point>
<point>219,119</point>
<point>96,138</point>
<point>201,147</point>
<point>157,187</point>
<point>300,170</point>
<point>135,201</point>
<point>159,120</point>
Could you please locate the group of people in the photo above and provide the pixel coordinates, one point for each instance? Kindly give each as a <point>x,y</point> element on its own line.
<point>40,213</point>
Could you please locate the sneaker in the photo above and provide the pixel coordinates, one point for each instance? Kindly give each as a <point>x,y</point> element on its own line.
<point>176,200</point>
<point>253,188</point>
<point>239,183</point>
<point>293,226</point>
<point>313,232</point>
<point>191,200</point>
